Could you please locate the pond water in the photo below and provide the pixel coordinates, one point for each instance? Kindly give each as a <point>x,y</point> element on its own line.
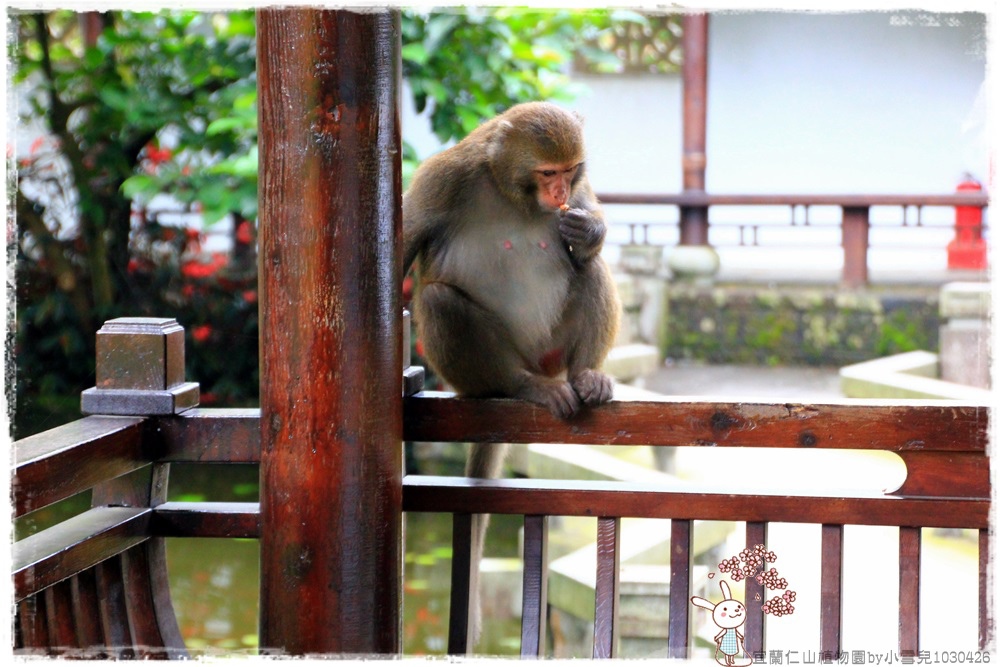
<point>215,583</point>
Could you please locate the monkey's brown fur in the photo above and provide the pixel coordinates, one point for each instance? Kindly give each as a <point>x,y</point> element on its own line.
<point>511,294</point>
<point>513,298</point>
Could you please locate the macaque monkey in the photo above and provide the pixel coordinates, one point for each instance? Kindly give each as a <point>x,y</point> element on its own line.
<point>512,296</point>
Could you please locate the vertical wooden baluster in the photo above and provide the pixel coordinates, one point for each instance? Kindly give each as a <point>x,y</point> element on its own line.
<point>679,628</point>
<point>111,591</point>
<point>31,627</point>
<point>461,579</point>
<point>535,586</point>
<point>86,615</point>
<point>59,618</point>
<point>909,590</point>
<point>151,619</point>
<point>606,590</point>
<point>159,581</point>
<point>754,595</point>
<point>831,579</point>
<point>141,608</point>
<point>984,590</point>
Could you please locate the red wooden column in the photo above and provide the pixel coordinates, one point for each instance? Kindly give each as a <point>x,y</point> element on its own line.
<point>330,312</point>
<point>694,219</point>
<point>693,258</point>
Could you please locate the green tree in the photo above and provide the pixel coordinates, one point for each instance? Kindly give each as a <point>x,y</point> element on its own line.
<point>138,105</point>
<point>122,95</point>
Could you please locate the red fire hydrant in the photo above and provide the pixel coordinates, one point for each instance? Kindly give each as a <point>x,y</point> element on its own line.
<point>968,249</point>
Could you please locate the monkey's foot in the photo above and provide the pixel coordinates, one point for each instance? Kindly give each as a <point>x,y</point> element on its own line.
<point>559,397</point>
<point>593,387</point>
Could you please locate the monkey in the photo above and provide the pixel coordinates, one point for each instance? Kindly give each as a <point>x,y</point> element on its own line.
<point>512,296</point>
<point>512,291</point>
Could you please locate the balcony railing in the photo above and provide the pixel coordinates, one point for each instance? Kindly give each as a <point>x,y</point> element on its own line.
<point>95,584</point>
<point>852,229</point>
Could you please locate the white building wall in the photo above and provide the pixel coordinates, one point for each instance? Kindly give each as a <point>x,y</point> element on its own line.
<point>798,102</point>
<point>803,102</point>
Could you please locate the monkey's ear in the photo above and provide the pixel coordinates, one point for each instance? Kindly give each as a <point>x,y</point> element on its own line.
<point>496,141</point>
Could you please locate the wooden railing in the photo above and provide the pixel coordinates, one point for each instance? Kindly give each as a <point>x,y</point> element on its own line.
<point>855,220</point>
<point>96,583</point>
<point>947,485</point>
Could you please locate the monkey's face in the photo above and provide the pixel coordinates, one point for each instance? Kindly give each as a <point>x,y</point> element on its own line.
<point>555,183</point>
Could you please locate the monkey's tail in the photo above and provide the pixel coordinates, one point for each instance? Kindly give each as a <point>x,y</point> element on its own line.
<point>485,462</point>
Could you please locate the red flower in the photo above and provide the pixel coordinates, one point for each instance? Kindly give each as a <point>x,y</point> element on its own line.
<point>195,269</point>
<point>201,333</point>
<point>244,234</point>
<point>158,155</point>
<point>250,296</point>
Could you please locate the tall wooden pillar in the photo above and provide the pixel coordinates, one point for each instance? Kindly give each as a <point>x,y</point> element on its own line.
<point>330,312</point>
<point>694,259</point>
<point>694,219</point>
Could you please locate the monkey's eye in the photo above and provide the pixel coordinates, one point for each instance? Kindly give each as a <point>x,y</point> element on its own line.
<point>548,173</point>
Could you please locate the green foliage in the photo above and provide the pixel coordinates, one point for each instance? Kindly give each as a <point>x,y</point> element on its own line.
<point>900,332</point>
<point>145,103</point>
<point>166,104</point>
<point>467,64</point>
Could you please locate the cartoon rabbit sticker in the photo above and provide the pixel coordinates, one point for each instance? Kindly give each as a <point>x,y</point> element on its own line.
<point>728,615</point>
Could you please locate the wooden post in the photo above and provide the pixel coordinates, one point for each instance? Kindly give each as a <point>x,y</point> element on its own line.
<point>693,258</point>
<point>694,220</point>
<point>855,241</point>
<point>330,312</point>
<point>140,369</point>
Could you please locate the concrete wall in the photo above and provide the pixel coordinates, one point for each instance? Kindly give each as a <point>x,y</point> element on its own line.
<point>798,103</point>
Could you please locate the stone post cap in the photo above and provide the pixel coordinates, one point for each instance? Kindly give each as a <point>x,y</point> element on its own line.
<point>140,369</point>
<point>961,300</point>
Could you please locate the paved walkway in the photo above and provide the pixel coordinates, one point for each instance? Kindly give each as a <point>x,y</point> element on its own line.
<point>791,383</point>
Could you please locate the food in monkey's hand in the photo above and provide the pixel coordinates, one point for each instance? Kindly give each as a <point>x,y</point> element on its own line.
<point>564,207</point>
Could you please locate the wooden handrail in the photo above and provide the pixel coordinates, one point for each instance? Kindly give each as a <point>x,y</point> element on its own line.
<point>79,455</point>
<point>80,542</point>
<point>425,493</point>
<point>888,425</point>
<point>942,443</point>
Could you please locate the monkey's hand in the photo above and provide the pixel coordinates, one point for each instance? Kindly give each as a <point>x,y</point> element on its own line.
<point>593,387</point>
<point>582,232</point>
